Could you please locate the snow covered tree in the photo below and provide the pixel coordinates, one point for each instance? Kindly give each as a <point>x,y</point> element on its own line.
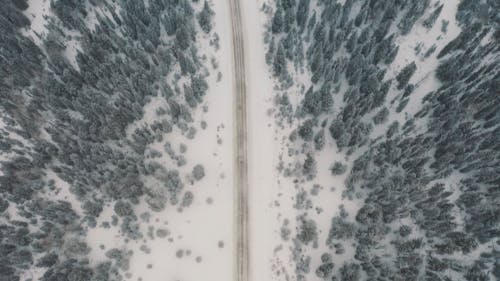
<point>405,74</point>
<point>205,18</point>
<point>279,63</point>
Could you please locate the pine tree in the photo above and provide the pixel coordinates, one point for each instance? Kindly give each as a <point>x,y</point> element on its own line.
<point>205,18</point>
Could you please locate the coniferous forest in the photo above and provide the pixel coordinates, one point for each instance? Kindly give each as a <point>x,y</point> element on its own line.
<point>387,112</point>
<point>74,123</point>
<point>422,162</point>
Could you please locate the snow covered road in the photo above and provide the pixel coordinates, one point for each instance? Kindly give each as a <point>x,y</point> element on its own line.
<point>240,147</point>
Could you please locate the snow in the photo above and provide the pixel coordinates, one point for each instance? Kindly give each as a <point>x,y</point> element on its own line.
<point>72,48</point>
<point>424,78</point>
<point>62,192</point>
<point>38,12</point>
<point>264,146</point>
<point>272,196</point>
<point>199,227</point>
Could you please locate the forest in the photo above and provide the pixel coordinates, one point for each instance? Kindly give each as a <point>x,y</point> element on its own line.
<point>426,181</point>
<point>400,97</point>
<point>81,122</point>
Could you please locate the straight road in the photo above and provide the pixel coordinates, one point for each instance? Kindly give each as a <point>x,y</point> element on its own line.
<point>241,222</point>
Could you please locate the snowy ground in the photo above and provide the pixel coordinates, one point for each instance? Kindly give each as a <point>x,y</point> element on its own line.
<point>272,196</point>
<point>199,230</point>
<point>203,231</point>
<point>37,12</point>
<point>262,148</point>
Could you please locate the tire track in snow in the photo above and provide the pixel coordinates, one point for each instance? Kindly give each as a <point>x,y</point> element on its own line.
<point>241,222</point>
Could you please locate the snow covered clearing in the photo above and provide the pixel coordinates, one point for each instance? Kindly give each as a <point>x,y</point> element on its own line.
<point>199,242</point>
<point>263,153</point>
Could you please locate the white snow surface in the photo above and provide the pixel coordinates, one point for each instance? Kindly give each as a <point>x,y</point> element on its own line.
<point>272,195</point>
<point>38,12</point>
<point>196,230</point>
<point>199,228</point>
<point>263,154</point>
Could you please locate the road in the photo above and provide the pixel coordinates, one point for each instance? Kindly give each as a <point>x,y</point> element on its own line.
<point>241,222</point>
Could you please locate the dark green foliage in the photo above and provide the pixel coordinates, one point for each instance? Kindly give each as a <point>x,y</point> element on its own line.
<point>302,14</point>
<point>279,64</point>
<point>413,13</point>
<point>309,167</point>
<point>307,231</point>
<point>350,272</point>
<point>393,129</point>
<point>429,22</point>
<point>496,269</point>
<point>205,18</point>
<point>306,130</point>
<point>4,204</point>
<point>73,120</point>
<point>457,241</point>
<point>48,260</point>
<point>484,11</point>
<point>477,273</point>
<point>381,116</point>
<point>20,4</point>
<point>405,230</point>
<point>319,140</point>
<point>369,214</point>
<point>187,199</point>
<point>337,129</point>
<point>92,208</point>
<point>173,184</point>
<point>406,175</point>
<point>317,102</point>
<point>402,104</point>
<point>302,265</point>
<point>341,230</point>
<point>11,12</point>
<point>325,270</point>
<point>338,168</point>
<point>56,211</point>
<point>7,272</point>
<point>405,74</point>
<point>435,264</point>
<point>278,21</point>
<point>130,228</point>
<point>21,258</point>
<point>198,172</point>
<point>123,209</point>
<point>104,271</point>
<point>70,270</point>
